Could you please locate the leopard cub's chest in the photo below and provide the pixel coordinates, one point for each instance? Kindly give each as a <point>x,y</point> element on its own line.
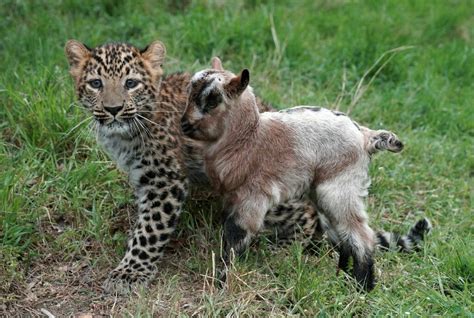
<point>125,152</point>
<point>139,156</point>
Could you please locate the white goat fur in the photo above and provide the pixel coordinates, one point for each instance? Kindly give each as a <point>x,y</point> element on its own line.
<point>258,161</point>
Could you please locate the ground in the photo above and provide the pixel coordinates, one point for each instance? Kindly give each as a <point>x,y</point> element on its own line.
<point>64,208</point>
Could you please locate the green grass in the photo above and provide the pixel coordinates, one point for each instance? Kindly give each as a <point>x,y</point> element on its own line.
<point>64,207</point>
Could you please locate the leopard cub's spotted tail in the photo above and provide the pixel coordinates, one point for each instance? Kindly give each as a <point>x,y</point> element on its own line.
<point>404,243</point>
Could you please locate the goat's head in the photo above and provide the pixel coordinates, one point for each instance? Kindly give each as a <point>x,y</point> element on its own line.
<point>212,95</point>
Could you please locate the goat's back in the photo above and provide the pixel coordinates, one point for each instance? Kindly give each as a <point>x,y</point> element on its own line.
<point>323,141</point>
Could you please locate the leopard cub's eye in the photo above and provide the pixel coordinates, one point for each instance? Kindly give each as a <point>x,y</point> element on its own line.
<point>95,83</point>
<point>131,83</point>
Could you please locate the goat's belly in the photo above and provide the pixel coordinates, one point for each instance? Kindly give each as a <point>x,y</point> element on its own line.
<point>292,185</point>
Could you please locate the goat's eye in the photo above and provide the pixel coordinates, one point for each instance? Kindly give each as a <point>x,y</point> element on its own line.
<point>213,100</point>
<point>95,83</point>
<point>131,83</point>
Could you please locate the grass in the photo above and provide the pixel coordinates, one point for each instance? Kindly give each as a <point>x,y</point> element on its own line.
<point>64,208</point>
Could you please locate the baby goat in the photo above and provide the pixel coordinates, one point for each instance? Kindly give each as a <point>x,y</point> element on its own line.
<point>257,161</point>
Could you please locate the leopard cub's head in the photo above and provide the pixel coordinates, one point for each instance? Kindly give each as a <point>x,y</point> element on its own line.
<point>117,82</point>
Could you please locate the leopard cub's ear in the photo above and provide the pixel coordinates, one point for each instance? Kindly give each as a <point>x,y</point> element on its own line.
<point>76,53</point>
<point>216,64</point>
<point>155,54</point>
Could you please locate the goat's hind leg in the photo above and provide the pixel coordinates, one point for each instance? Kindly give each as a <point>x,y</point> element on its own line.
<point>341,200</point>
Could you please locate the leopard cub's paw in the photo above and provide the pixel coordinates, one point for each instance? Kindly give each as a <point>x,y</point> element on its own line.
<point>123,280</point>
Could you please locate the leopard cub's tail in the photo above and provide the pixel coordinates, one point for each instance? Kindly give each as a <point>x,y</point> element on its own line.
<point>378,140</point>
<point>404,243</point>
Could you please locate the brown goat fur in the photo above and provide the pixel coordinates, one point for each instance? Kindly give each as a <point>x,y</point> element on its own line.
<point>257,161</point>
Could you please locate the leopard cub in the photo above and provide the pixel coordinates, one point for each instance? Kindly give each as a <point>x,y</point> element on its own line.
<point>135,123</point>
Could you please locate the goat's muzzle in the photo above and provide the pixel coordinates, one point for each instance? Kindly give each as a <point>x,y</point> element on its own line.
<point>187,128</point>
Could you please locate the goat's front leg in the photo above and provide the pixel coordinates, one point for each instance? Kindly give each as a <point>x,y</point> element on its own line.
<point>243,220</point>
<point>160,193</point>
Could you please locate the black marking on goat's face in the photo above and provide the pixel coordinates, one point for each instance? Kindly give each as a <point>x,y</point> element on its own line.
<point>201,119</point>
<point>211,101</point>
<point>200,92</point>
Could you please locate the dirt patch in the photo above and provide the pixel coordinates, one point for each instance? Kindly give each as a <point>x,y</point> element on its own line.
<point>73,289</point>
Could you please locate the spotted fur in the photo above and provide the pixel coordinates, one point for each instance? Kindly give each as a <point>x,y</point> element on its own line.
<point>135,120</point>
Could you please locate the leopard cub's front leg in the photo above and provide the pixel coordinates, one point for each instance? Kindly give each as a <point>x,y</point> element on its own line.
<point>160,189</point>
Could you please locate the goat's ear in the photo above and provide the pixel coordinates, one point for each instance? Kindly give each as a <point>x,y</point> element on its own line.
<point>238,84</point>
<point>216,64</point>
<point>155,54</point>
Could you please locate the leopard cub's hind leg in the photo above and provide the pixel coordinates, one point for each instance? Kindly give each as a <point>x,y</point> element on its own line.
<point>294,220</point>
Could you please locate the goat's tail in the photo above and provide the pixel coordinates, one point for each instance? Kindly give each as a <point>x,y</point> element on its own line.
<point>378,140</point>
<point>404,243</point>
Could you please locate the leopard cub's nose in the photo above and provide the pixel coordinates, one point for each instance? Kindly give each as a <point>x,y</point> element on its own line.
<point>114,110</point>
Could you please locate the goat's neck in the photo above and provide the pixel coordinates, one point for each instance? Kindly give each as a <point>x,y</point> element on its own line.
<point>228,161</point>
<point>243,122</point>
<point>242,126</point>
